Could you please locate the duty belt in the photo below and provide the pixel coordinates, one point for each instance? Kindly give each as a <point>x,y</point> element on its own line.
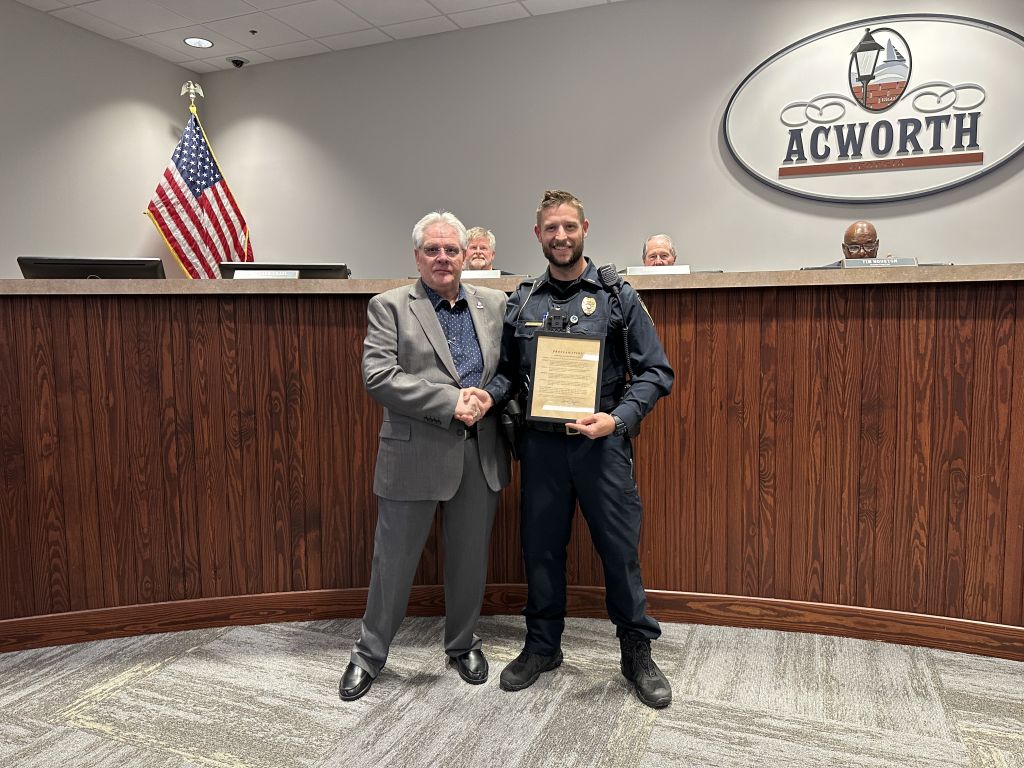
<point>553,426</point>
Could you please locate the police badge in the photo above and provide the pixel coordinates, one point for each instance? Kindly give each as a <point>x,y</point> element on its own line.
<point>589,305</point>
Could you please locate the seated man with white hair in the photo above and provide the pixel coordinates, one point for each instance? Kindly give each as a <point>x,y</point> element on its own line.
<point>659,251</point>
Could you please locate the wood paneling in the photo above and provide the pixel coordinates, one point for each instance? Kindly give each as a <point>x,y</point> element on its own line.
<point>843,445</point>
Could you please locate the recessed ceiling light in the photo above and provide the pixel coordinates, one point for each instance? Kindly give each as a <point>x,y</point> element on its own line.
<point>198,42</point>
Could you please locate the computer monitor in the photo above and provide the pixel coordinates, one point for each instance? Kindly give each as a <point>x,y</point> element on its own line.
<point>36,267</point>
<point>264,269</point>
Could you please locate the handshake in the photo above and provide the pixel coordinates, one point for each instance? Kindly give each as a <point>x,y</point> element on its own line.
<point>472,405</point>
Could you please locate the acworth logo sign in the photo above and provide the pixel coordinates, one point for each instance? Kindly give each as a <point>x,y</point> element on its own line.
<point>887,108</point>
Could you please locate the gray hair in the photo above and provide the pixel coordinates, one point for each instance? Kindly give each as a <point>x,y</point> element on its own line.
<point>438,217</point>
<point>671,245</point>
<point>476,232</point>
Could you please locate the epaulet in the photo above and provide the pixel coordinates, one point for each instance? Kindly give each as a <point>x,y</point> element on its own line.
<point>526,282</point>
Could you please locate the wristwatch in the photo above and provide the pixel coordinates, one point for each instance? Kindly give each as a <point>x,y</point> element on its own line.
<point>620,426</point>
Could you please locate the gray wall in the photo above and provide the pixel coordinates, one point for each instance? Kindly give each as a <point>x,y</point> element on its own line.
<point>88,125</point>
<point>334,157</point>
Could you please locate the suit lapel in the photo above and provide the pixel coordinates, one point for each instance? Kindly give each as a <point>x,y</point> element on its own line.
<point>425,313</point>
<point>488,337</point>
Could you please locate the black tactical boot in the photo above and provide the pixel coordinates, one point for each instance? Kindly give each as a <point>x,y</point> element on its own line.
<point>523,671</point>
<point>652,687</point>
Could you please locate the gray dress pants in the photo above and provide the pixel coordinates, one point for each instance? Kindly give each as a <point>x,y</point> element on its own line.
<point>402,530</point>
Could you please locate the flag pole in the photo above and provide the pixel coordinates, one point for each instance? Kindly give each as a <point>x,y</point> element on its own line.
<point>193,90</point>
<point>193,208</point>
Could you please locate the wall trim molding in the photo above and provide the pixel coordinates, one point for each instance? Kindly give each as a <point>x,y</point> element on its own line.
<point>949,634</point>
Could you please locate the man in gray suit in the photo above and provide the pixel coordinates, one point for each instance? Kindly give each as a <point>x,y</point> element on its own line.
<point>429,349</point>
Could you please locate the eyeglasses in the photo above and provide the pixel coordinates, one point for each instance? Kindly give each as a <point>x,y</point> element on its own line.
<point>857,248</point>
<point>433,251</point>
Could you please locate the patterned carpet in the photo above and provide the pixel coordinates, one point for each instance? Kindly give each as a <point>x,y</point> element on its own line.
<point>266,696</point>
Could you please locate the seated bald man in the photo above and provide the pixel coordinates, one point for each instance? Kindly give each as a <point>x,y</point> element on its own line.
<point>659,251</point>
<point>860,241</point>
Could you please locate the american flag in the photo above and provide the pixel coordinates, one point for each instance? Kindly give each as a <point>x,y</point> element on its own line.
<point>195,211</point>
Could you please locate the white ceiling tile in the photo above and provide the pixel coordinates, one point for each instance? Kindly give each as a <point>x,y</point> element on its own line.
<point>283,26</point>
<point>382,12</point>
<point>490,15</point>
<point>251,57</point>
<point>269,31</point>
<point>43,5</point>
<point>295,50</point>
<point>355,39</point>
<point>140,16</point>
<point>216,65</point>
<point>456,6</point>
<point>320,18</point>
<point>201,67</point>
<point>537,7</point>
<point>207,10</point>
<point>266,5</point>
<point>420,28</point>
<point>93,23</point>
<point>175,38</point>
<point>157,49</point>
<point>219,64</point>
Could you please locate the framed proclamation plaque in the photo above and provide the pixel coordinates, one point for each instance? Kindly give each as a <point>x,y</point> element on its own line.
<point>566,376</point>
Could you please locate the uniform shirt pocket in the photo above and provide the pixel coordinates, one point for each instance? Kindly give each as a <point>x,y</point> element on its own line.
<point>594,325</point>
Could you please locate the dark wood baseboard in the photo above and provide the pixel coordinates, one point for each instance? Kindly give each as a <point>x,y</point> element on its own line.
<point>793,616</point>
<point>508,599</point>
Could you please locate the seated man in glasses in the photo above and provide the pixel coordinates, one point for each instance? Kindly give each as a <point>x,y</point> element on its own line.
<point>860,241</point>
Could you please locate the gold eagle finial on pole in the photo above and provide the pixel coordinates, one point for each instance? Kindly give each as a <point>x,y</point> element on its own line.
<point>193,90</point>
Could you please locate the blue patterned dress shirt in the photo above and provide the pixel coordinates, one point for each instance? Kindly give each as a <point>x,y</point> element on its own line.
<point>457,324</point>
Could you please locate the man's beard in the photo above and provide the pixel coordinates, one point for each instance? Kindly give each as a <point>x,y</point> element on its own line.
<point>574,257</point>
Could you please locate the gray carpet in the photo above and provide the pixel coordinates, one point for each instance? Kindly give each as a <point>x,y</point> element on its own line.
<point>267,696</point>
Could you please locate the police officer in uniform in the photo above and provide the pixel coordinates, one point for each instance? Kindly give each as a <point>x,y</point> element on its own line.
<point>590,462</point>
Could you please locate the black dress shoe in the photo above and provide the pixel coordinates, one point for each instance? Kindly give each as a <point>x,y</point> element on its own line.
<point>354,683</point>
<point>524,670</point>
<point>472,666</point>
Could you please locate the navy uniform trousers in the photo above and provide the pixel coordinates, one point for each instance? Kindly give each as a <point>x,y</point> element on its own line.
<point>557,471</point>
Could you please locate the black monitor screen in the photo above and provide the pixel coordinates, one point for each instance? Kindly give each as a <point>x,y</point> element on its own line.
<point>71,267</point>
<point>308,271</point>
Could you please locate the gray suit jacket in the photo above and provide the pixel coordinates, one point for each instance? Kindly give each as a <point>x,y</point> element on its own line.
<point>408,368</point>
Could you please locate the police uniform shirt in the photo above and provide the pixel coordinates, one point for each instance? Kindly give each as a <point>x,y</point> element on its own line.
<point>585,306</point>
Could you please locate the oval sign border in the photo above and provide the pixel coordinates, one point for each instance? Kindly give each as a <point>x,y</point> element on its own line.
<point>842,28</point>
